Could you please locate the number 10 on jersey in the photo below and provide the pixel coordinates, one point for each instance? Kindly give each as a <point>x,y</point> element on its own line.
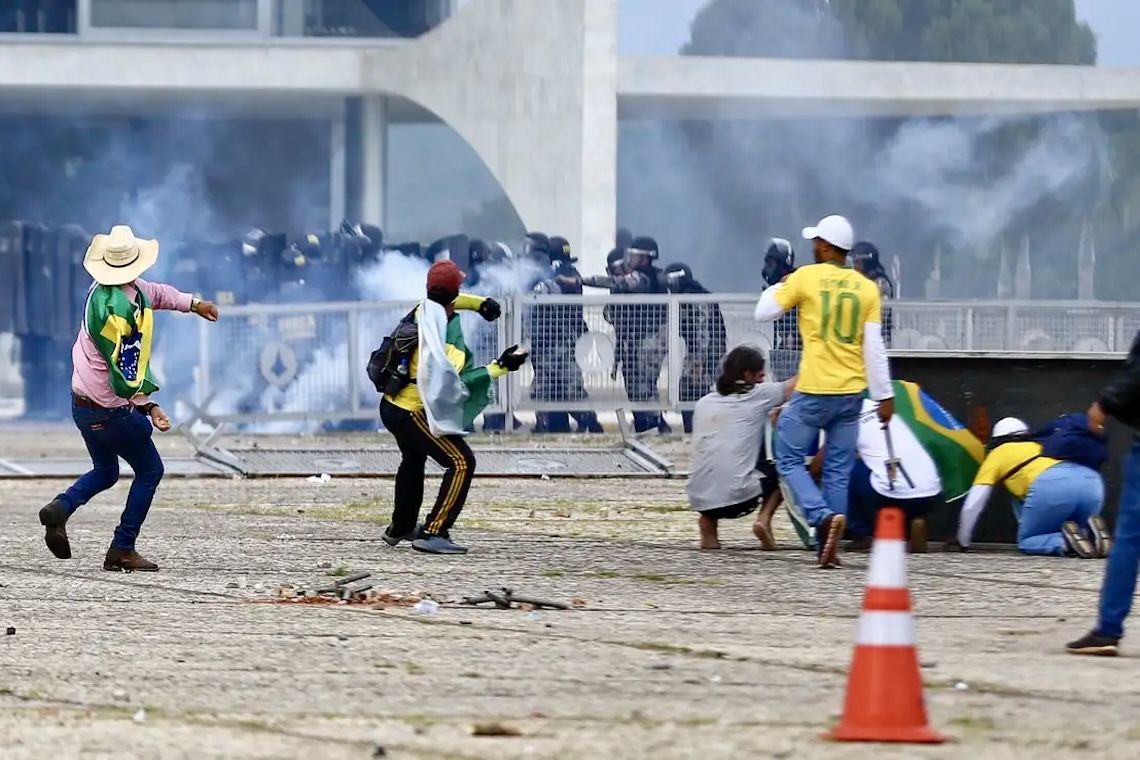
<point>839,320</point>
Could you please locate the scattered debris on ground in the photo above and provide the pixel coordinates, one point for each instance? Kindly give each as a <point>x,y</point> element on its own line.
<point>506,599</point>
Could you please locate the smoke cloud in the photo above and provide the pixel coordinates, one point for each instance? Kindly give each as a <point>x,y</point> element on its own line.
<point>714,192</point>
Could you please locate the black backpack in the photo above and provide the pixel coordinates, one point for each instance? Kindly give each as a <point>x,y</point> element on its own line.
<point>389,366</point>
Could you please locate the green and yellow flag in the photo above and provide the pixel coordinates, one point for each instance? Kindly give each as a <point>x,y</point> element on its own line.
<point>957,453</point>
<point>123,330</point>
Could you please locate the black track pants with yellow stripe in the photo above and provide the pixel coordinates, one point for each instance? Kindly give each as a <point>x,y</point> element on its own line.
<point>417,445</point>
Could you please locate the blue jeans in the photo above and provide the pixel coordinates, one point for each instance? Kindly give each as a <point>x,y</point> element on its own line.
<point>110,434</point>
<point>1065,491</point>
<point>796,433</point>
<point>1124,558</point>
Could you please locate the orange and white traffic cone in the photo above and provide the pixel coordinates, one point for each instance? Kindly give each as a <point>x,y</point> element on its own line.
<point>884,687</point>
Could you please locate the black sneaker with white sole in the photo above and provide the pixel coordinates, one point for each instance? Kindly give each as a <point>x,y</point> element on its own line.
<point>828,534</point>
<point>1101,538</point>
<point>1076,542</point>
<point>1094,644</point>
<point>395,540</point>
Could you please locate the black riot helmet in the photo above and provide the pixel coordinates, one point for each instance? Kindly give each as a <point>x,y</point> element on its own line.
<point>779,260</point>
<point>864,257</point>
<point>679,278</point>
<point>615,262</point>
<point>535,244</point>
<point>641,253</point>
<point>558,249</point>
<point>479,252</point>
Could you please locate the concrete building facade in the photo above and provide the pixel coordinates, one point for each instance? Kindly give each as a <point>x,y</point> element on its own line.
<point>535,87</point>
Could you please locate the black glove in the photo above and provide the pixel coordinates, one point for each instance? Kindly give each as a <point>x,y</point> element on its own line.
<point>490,309</point>
<point>512,359</point>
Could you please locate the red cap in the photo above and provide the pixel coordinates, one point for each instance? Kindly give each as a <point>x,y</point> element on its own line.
<point>446,276</point>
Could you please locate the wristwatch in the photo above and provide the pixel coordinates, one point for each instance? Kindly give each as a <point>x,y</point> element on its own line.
<point>146,408</point>
<point>194,303</point>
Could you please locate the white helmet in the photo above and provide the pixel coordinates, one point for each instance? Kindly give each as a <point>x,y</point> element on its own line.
<point>1009,426</point>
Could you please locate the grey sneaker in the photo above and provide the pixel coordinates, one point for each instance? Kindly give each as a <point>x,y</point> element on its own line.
<point>395,540</point>
<point>1102,539</point>
<point>1076,542</point>
<point>433,544</point>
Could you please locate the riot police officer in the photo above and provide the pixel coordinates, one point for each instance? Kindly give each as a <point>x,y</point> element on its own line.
<point>706,340</point>
<point>483,336</point>
<point>864,258</point>
<point>779,262</point>
<point>554,334</point>
<point>641,329</point>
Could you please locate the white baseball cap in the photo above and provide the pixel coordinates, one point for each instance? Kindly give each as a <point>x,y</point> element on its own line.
<point>833,229</point>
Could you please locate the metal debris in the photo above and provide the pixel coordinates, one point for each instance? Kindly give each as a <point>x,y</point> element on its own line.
<point>506,599</point>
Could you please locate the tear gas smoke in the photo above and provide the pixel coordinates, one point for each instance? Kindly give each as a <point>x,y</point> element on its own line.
<point>714,192</point>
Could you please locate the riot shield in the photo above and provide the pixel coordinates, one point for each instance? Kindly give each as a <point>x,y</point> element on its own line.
<point>39,259</point>
<point>11,279</point>
<point>70,247</point>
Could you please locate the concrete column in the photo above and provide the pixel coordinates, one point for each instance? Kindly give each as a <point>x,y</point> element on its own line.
<point>374,159</point>
<point>542,116</point>
<point>338,170</point>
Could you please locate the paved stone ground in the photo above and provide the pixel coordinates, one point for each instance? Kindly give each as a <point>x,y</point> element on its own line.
<point>676,653</point>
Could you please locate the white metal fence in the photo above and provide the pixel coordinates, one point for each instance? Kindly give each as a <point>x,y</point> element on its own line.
<point>295,362</point>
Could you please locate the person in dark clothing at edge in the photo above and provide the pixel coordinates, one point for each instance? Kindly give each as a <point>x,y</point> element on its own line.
<point>416,425</point>
<point>779,262</point>
<point>554,331</point>
<point>706,340</point>
<point>864,258</point>
<point>640,329</point>
<point>1121,400</point>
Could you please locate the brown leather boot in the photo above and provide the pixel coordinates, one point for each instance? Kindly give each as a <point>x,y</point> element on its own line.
<point>127,561</point>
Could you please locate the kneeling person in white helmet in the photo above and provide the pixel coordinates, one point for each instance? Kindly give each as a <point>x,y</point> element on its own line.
<point>1053,477</point>
<point>728,430</point>
<point>892,469</point>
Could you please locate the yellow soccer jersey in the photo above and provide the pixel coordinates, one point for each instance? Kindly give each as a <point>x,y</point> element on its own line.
<point>834,304</point>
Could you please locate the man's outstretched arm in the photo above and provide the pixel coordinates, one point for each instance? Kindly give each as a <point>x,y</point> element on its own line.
<point>777,300</point>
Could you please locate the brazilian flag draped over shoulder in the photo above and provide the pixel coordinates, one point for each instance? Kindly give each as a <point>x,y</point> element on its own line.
<point>123,330</point>
<point>957,453</point>
<point>480,388</point>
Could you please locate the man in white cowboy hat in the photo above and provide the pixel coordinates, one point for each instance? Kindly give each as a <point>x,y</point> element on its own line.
<point>111,385</point>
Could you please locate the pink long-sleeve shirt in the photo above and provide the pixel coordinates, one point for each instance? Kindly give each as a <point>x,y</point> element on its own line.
<point>91,376</point>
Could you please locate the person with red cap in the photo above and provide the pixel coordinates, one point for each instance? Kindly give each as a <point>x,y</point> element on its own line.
<point>441,395</point>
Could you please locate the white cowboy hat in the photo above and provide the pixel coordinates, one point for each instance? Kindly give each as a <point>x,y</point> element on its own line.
<point>120,257</point>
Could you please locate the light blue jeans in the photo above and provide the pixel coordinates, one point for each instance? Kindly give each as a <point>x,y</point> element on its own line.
<point>796,433</point>
<point>1065,491</point>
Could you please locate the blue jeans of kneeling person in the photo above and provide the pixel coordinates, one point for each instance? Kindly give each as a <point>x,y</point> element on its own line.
<point>1124,557</point>
<point>110,434</point>
<point>796,433</point>
<point>1066,491</point>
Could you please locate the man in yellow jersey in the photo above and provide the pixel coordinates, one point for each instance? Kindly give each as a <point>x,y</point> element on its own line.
<point>1057,503</point>
<point>441,395</point>
<point>843,356</point>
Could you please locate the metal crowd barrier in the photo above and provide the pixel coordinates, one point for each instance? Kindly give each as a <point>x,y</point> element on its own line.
<point>291,363</point>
